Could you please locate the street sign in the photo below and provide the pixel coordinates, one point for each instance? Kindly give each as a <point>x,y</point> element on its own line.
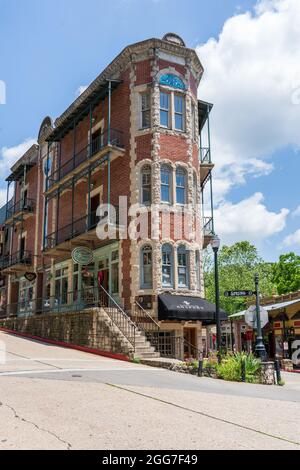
<point>239,293</point>
<point>251,317</point>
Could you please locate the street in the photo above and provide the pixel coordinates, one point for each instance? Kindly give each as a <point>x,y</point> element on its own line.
<point>56,398</point>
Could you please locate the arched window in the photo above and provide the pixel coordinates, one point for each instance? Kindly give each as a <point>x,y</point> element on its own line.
<point>166,173</point>
<point>167,265</point>
<point>146,267</point>
<point>180,186</point>
<point>197,267</point>
<point>146,185</point>
<point>182,266</point>
<point>195,190</point>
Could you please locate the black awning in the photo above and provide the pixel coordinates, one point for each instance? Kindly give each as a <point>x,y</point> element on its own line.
<point>183,308</point>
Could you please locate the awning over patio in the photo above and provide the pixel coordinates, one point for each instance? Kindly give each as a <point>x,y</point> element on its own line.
<point>183,308</point>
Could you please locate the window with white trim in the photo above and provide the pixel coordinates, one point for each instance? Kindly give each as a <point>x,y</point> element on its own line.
<point>165,109</point>
<point>181,185</point>
<point>146,185</point>
<point>182,267</point>
<point>166,180</point>
<point>146,267</point>
<point>167,265</point>
<point>178,112</point>
<point>145,110</point>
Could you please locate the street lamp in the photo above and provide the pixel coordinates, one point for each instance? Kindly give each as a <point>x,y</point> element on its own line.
<point>260,347</point>
<point>215,244</point>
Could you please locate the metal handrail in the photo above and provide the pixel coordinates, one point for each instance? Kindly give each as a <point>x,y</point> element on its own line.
<point>20,257</point>
<point>118,316</point>
<point>208,227</point>
<point>23,205</point>
<point>205,155</point>
<point>77,227</point>
<point>150,328</point>
<point>87,152</point>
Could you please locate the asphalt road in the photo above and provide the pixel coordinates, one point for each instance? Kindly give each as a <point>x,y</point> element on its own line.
<point>56,398</point>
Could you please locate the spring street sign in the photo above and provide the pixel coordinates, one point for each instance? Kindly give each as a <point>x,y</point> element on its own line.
<point>239,293</point>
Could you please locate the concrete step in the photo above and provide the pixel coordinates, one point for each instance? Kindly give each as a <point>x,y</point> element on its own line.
<point>147,355</point>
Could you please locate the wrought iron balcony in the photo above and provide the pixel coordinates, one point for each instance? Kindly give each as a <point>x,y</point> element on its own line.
<point>113,139</point>
<point>83,227</point>
<point>205,156</point>
<point>23,206</point>
<point>208,230</point>
<point>20,259</point>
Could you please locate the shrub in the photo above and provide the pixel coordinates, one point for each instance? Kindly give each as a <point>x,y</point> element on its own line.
<point>231,368</point>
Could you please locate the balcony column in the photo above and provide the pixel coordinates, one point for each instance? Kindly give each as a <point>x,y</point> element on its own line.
<point>7,198</point>
<point>45,222</point>
<point>73,195</point>
<point>74,142</point>
<point>88,222</point>
<point>59,161</point>
<point>212,204</point>
<point>109,114</point>
<point>208,133</point>
<point>57,216</point>
<point>47,167</point>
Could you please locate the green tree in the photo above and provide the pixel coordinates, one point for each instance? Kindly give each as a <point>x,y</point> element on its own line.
<point>286,273</point>
<point>237,266</point>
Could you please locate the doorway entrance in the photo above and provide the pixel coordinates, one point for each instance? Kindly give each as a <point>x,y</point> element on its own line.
<point>190,342</point>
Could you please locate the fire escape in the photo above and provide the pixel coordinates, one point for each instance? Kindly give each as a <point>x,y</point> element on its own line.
<point>206,169</point>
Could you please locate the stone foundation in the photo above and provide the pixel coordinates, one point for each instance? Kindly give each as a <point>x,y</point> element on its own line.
<point>268,373</point>
<point>86,328</point>
<point>287,365</point>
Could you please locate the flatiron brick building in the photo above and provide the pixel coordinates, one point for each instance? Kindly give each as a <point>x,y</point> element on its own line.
<point>133,150</point>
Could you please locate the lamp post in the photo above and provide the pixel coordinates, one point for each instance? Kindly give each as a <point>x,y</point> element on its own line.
<point>260,347</point>
<point>215,244</point>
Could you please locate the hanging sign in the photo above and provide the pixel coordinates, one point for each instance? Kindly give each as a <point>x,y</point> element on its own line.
<point>82,255</point>
<point>30,277</point>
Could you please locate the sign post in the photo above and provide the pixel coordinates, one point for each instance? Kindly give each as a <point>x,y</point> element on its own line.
<point>260,347</point>
<point>239,293</point>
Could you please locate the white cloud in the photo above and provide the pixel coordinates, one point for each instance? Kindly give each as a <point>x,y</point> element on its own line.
<point>81,90</point>
<point>296,212</point>
<point>252,75</point>
<point>292,240</point>
<point>249,219</point>
<point>10,155</point>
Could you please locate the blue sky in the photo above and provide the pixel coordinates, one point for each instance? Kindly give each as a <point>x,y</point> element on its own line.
<point>49,48</point>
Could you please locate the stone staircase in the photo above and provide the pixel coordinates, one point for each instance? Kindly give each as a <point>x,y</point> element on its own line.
<point>136,344</point>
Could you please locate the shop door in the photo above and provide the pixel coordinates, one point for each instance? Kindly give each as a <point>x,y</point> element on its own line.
<point>190,342</point>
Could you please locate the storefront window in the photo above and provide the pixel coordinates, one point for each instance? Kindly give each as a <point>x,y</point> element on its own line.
<point>61,285</point>
<point>25,297</point>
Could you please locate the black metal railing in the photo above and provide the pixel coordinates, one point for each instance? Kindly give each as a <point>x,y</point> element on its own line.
<point>118,316</point>
<point>172,347</point>
<point>76,301</point>
<point>205,155</point>
<point>113,138</point>
<point>208,226</point>
<point>21,257</point>
<point>23,205</point>
<point>146,324</point>
<point>80,226</point>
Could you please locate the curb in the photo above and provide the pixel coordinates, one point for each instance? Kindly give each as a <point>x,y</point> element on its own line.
<point>97,352</point>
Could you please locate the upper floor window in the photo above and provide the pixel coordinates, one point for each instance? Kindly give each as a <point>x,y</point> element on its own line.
<point>182,264</point>
<point>146,110</point>
<point>166,173</point>
<point>167,265</point>
<point>146,267</point>
<point>164,109</point>
<point>179,112</point>
<point>180,186</point>
<point>146,185</point>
